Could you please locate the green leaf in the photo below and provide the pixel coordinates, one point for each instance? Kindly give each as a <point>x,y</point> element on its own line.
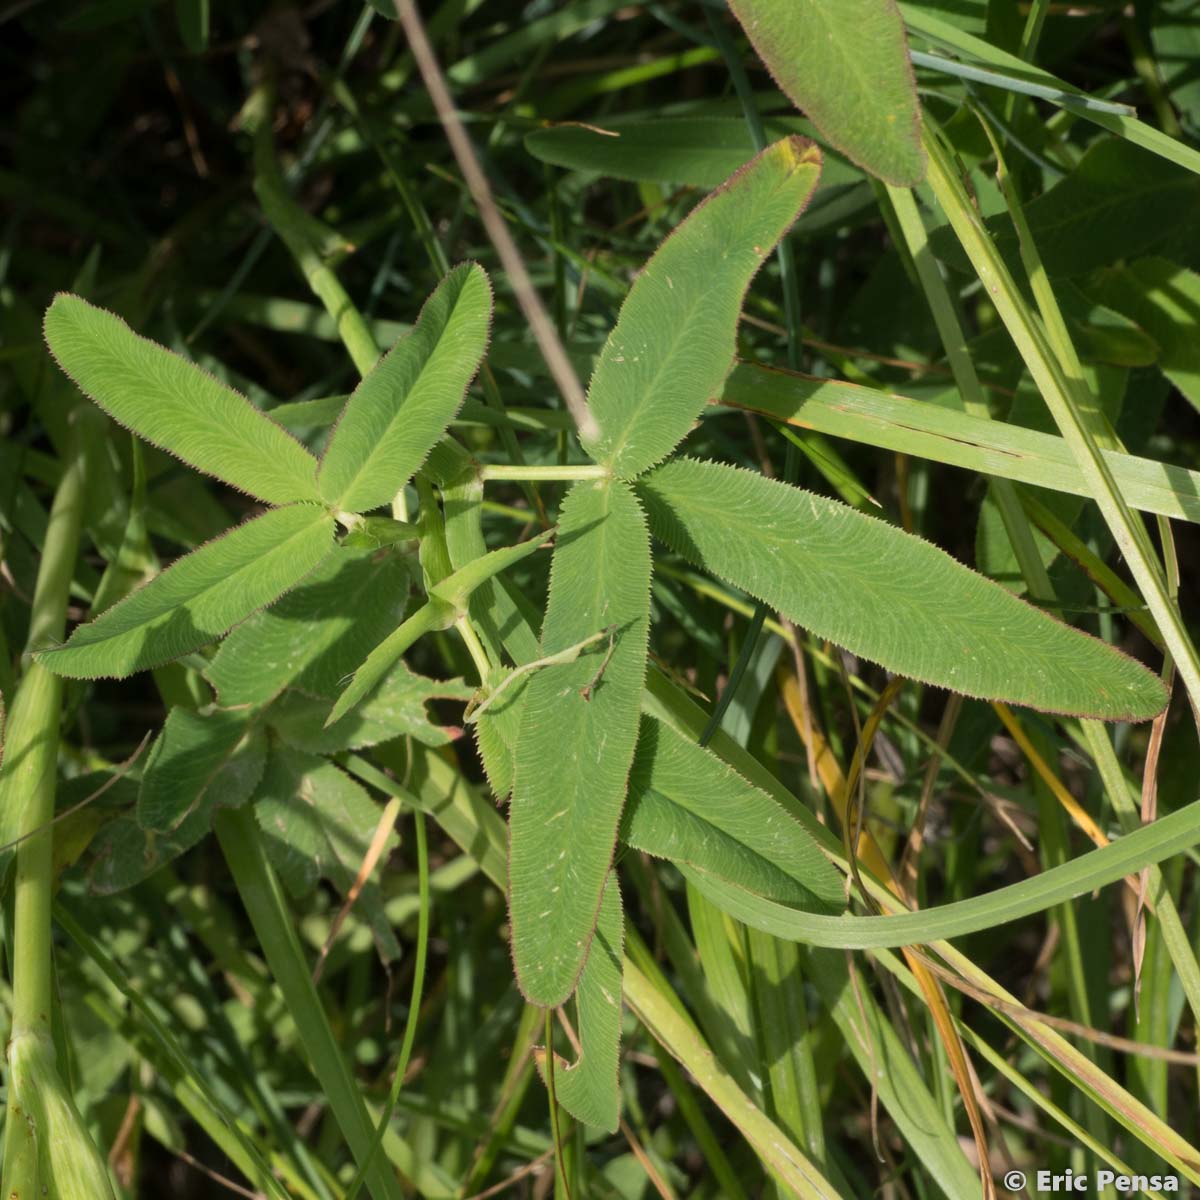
<point>397,708</point>
<point>1118,202</point>
<point>402,407</point>
<point>177,406</point>
<point>318,824</point>
<point>435,614</point>
<point>317,633</point>
<point>457,588</point>
<point>577,736</point>
<point>688,806</point>
<point>674,341</point>
<point>199,761</point>
<point>887,595</point>
<point>698,151</point>
<point>908,426</point>
<point>193,18</point>
<point>845,64</point>
<point>199,596</point>
<point>1164,299</point>
<point>588,1088</point>
<point>446,601</point>
<point>496,731</point>
<point>1153,843</point>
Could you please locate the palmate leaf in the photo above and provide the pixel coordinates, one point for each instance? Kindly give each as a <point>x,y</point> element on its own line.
<point>199,596</point>
<point>845,65</point>
<point>402,407</point>
<point>887,595</point>
<point>674,340</point>
<point>177,406</point>
<point>577,735</point>
<point>688,806</point>
<point>588,1088</point>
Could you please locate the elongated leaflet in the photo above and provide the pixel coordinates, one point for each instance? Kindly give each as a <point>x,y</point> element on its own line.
<point>673,343</point>
<point>686,805</point>
<point>577,735</point>
<point>176,405</point>
<point>845,64</point>
<point>588,1088</point>
<point>199,596</point>
<point>402,407</point>
<point>875,590</point>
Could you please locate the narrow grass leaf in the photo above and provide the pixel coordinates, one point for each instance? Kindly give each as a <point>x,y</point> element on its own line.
<point>577,736</point>
<point>177,406</point>
<point>403,405</point>
<point>688,806</point>
<point>588,1088</point>
<point>674,340</point>
<point>318,823</point>
<point>199,596</point>
<point>845,64</point>
<point>317,633</point>
<point>881,593</point>
<point>1127,855</point>
<point>877,418</point>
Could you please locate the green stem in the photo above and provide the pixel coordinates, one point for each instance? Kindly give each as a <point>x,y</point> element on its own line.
<point>303,235</point>
<point>27,792</point>
<point>562,1189</point>
<point>31,755</point>
<point>241,843</point>
<point>495,472</point>
<point>414,1006</point>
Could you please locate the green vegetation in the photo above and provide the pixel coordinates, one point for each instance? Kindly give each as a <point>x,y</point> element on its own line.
<point>521,527</point>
